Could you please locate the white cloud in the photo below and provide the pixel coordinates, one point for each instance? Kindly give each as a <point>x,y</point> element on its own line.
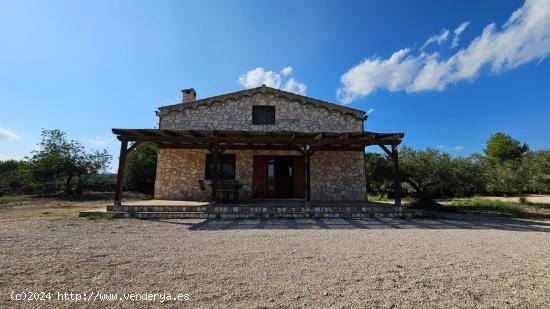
<point>100,141</point>
<point>292,85</point>
<point>7,135</point>
<point>259,76</point>
<point>438,38</point>
<point>523,38</point>
<point>457,32</point>
<point>394,73</point>
<point>286,71</point>
<point>447,148</point>
<point>370,111</point>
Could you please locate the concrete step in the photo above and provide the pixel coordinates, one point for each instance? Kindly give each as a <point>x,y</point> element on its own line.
<point>172,215</point>
<point>267,215</point>
<point>164,208</point>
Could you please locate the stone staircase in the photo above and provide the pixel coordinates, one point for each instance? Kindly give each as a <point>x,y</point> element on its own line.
<point>267,209</point>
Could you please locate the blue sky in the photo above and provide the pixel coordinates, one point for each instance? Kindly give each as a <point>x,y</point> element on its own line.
<point>86,67</point>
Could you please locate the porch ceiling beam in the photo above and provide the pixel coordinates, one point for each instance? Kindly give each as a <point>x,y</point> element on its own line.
<point>256,147</point>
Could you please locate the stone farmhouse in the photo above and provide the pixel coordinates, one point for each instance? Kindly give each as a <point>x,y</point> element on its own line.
<point>259,144</point>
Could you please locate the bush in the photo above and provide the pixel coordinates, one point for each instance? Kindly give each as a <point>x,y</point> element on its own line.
<point>141,166</point>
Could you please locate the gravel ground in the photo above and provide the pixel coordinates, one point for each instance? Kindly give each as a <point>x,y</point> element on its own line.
<point>477,262</point>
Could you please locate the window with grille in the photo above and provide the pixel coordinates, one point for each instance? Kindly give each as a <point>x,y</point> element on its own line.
<point>226,168</point>
<point>263,114</point>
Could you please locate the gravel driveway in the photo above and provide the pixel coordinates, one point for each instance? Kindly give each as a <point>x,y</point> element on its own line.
<point>474,262</point>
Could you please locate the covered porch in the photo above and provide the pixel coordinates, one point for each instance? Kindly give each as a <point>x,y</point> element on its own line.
<point>216,143</point>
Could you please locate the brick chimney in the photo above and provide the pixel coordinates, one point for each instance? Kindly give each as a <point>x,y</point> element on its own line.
<point>189,95</point>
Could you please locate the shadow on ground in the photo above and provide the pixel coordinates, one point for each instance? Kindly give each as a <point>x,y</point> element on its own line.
<point>465,222</point>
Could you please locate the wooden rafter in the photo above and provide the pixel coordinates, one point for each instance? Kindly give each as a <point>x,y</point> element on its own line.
<point>201,139</point>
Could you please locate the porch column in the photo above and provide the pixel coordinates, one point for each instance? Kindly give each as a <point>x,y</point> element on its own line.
<point>396,180</point>
<point>365,173</point>
<point>216,152</point>
<point>307,153</point>
<point>121,171</point>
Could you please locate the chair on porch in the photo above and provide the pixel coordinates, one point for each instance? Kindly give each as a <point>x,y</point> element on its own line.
<point>204,192</point>
<point>228,191</point>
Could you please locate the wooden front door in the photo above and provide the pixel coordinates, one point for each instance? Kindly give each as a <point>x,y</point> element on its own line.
<point>278,177</point>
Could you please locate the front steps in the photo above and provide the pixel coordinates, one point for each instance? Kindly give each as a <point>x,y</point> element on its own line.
<point>267,211</point>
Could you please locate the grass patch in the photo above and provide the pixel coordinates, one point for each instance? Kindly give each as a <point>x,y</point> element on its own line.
<point>110,215</point>
<point>378,197</point>
<point>491,207</point>
<point>13,198</point>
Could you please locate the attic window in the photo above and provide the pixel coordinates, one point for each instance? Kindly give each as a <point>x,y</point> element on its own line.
<point>263,114</point>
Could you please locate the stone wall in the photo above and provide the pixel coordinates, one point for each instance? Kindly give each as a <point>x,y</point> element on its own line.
<point>236,114</point>
<point>335,175</point>
<point>338,175</point>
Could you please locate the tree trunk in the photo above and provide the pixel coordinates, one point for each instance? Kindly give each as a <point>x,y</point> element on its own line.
<point>79,185</point>
<point>68,189</point>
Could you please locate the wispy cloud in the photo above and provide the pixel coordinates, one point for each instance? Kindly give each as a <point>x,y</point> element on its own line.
<point>102,141</point>
<point>523,38</point>
<point>438,38</point>
<point>447,148</point>
<point>370,111</point>
<point>8,135</point>
<point>259,76</point>
<point>457,32</point>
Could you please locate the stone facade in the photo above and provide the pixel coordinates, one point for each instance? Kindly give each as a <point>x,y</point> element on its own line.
<point>179,172</point>
<point>335,175</point>
<point>235,113</point>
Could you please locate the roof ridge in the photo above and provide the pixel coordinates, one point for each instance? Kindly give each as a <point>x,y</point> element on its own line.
<point>290,95</point>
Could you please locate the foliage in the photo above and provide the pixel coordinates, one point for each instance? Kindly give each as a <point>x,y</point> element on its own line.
<point>502,147</point>
<point>536,165</point>
<point>12,180</point>
<point>59,161</point>
<point>431,173</point>
<point>506,177</point>
<point>508,168</point>
<point>377,169</point>
<point>141,165</point>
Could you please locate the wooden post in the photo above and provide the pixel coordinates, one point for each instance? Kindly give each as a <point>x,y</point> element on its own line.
<point>307,153</point>
<point>120,174</point>
<point>307,159</point>
<point>215,173</point>
<point>365,173</point>
<point>396,180</point>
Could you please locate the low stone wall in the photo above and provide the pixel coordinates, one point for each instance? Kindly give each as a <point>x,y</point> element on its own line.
<point>335,175</point>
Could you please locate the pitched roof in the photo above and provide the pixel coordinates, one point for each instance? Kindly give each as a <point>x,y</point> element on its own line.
<point>264,89</point>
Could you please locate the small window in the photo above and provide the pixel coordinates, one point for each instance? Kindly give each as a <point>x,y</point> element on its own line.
<point>226,168</point>
<point>263,114</point>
